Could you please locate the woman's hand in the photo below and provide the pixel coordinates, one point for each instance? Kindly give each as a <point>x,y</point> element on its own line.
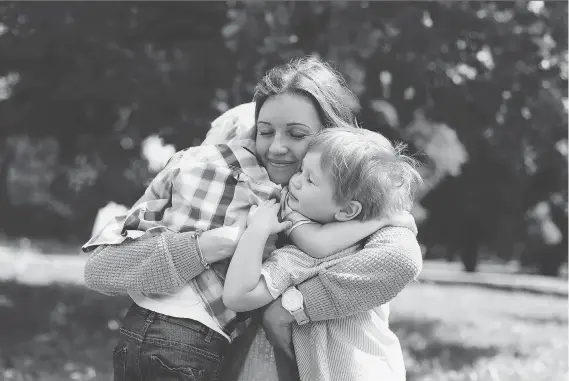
<point>220,243</point>
<point>277,322</point>
<point>265,217</point>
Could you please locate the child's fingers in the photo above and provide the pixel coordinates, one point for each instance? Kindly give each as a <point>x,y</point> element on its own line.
<point>288,224</point>
<point>253,209</point>
<point>285,225</point>
<point>270,203</point>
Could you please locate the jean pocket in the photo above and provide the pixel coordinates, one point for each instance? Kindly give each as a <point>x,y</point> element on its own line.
<point>162,370</point>
<point>119,362</point>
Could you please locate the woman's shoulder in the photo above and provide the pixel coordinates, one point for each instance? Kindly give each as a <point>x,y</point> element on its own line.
<point>396,237</point>
<point>394,232</point>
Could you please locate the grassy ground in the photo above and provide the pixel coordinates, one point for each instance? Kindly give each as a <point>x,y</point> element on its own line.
<point>448,333</point>
<point>56,333</point>
<point>470,333</point>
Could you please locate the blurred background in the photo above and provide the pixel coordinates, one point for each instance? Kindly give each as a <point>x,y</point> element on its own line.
<point>96,96</point>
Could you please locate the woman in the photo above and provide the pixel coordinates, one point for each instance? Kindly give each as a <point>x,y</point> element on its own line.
<point>292,103</point>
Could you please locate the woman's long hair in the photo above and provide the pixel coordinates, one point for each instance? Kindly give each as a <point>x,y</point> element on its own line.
<point>337,106</point>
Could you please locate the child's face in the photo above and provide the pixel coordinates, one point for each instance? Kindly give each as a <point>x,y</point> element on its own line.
<point>311,191</point>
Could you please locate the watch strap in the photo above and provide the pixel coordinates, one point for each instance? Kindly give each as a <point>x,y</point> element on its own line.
<point>300,316</point>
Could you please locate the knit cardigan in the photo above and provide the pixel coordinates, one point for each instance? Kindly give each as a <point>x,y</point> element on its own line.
<point>369,278</point>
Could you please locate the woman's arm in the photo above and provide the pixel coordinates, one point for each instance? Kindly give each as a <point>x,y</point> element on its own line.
<point>157,263</point>
<point>369,278</point>
<point>154,264</point>
<point>128,257</point>
<point>390,260</point>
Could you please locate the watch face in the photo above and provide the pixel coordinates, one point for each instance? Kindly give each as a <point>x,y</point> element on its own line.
<point>292,300</point>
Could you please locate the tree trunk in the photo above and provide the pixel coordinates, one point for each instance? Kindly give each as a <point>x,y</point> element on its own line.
<point>551,259</point>
<point>6,161</point>
<point>469,257</point>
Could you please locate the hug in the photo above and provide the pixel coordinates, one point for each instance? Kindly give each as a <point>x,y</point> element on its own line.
<point>271,251</point>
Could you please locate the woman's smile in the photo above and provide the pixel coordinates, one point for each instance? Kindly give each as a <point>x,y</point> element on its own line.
<point>282,137</point>
<point>281,163</point>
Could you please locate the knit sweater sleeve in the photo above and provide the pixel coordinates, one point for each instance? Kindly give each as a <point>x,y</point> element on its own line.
<point>373,276</point>
<point>154,263</point>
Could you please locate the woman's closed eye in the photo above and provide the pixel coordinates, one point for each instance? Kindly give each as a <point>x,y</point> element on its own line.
<point>298,136</point>
<point>265,132</point>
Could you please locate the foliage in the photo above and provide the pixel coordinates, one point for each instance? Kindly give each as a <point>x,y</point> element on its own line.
<point>98,88</point>
<point>493,72</point>
<point>479,89</point>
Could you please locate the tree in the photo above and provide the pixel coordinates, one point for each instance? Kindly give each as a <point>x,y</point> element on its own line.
<point>477,89</point>
<point>494,72</point>
<point>98,78</point>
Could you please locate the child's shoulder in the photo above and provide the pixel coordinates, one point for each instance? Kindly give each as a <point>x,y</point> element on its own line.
<point>220,155</point>
<point>222,161</point>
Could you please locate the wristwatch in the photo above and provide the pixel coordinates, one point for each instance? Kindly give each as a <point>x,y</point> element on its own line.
<point>293,302</point>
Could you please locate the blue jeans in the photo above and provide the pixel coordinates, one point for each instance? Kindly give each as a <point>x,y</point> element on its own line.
<point>159,347</point>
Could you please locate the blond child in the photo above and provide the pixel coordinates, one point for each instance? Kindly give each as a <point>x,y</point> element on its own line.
<point>346,175</point>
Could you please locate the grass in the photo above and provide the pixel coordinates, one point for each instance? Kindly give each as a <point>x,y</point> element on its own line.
<point>56,332</point>
<point>452,333</point>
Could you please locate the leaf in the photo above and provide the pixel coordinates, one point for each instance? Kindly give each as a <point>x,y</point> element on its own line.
<point>5,302</point>
<point>387,112</point>
<point>439,142</point>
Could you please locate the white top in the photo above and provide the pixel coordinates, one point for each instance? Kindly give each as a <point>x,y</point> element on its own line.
<point>358,347</point>
<point>184,303</point>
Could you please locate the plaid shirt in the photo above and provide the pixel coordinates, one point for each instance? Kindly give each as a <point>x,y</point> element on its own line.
<point>204,188</point>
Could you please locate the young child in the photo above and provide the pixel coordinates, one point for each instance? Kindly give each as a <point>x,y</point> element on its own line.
<point>346,175</point>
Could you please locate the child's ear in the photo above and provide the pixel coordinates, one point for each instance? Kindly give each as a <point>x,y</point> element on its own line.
<point>350,211</point>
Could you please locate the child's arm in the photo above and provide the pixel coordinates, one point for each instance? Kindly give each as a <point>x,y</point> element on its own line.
<point>244,288</point>
<point>321,241</point>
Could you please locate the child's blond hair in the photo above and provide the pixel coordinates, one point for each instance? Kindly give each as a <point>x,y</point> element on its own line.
<point>364,166</point>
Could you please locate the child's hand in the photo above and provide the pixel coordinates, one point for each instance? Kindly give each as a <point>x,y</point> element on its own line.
<point>265,217</point>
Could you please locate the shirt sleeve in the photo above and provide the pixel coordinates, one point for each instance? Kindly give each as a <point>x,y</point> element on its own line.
<point>286,267</point>
<point>275,292</point>
<point>288,214</point>
<point>153,256</point>
<point>297,220</point>
<point>130,226</point>
<point>153,263</point>
<point>373,276</point>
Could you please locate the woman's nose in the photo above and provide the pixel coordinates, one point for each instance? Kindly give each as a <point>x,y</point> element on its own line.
<point>278,146</point>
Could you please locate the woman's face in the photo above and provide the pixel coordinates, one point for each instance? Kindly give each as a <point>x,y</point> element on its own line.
<point>285,126</point>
